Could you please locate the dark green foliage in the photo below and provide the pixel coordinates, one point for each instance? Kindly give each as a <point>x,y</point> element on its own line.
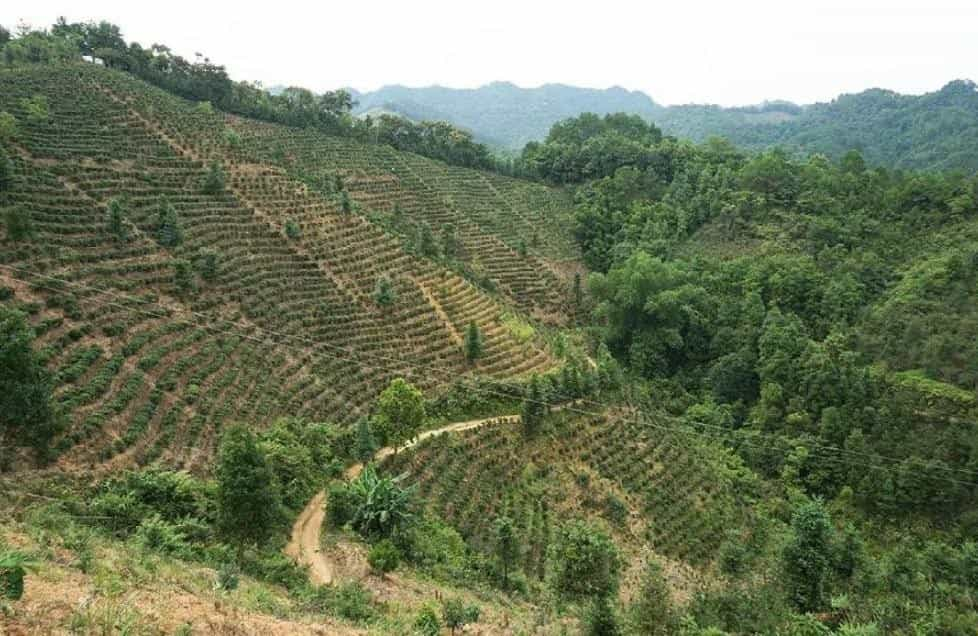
<point>19,223</point>
<point>377,506</point>
<point>364,445</point>
<point>115,220</point>
<point>6,171</point>
<point>400,411</point>
<point>384,557</point>
<point>582,562</point>
<point>292,229</point>
<point>346,204</point>
<point>808,557</point>
<point>227,577</point>
<point>507,546</point>
<point>600,619</point>
<point>457,614</point>
<point>169,232</point>
<point>214,181</point>
<point>534,408</point>
<point>576,290</point>
<point>427,623</point>
<point>26,386</point>
<point>384,293</point>
<point>183,276</point>
<point>248,504</point>
<point>13,570</point>
<point>473,342</point>
<point>426,244</point>
<point>651,611</point>
<point>206,263</point>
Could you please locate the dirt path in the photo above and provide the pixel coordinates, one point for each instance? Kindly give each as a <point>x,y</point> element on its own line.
<point>304,545</point>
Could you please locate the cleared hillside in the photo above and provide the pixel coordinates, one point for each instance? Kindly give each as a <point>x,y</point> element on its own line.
<point>151,362</point>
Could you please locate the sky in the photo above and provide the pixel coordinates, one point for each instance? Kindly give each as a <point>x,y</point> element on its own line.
<point>682,51</point>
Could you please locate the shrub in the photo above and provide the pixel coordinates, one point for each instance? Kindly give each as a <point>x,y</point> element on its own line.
<point>473,342</point>
<point>231,137</point>
<point>226,577</point>
<point>352,602</point>
<point>582,562</point>
<point>183,276</point>
<point>427,623</point>
<point>116,220</point>
<point>651,610</point>
<point>384,293</point>
<point>340,505</point>
<point>155,533</point>
<point>207,264</point>
<point>384,557</point>
<point>20,225</point>
<point>13,569</point>
<point>8,125</point>
<point>600,619</point>
<point>382,507</point>
<point>292,229</point>
<point>35,108</point>
<point>168,230</point>
<point>457,614</point>
<point>214,181</point>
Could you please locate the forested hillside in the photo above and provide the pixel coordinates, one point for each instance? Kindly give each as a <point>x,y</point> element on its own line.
<point>266,369</point>
<point>933,131</point>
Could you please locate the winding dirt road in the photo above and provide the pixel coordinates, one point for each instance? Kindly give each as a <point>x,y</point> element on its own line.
<point>304,545</point>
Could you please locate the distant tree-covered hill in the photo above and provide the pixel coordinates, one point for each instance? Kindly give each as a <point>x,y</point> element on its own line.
<point>503,114</point>
<point>934,131</point>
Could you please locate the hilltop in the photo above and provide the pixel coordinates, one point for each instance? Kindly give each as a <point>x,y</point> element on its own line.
<point>933,131</point>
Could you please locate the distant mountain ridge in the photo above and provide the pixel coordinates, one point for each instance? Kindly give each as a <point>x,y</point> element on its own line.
<point>501,113</point>
<point>937,130</point>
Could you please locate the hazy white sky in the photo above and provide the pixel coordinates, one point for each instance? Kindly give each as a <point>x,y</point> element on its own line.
<point>679,51</point>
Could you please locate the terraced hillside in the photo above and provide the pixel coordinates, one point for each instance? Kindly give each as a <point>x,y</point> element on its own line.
<point>656,488</point>
<point>157,342</point>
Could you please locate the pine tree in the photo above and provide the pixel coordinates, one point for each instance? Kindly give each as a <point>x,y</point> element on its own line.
<point>507,546</point>
<point>214,182</point>
<point>384,293</point>
<point>473,342</point>
<point>346,205</point>
<point>534,408</point>
<point>426,241</point>
<point>168,231</point>
<point>365,445</point>
<point>6,171</point>
<point>521,248</point>
<point>115,220</point>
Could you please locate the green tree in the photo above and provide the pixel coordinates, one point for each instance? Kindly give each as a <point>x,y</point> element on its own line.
<point>19,222</point>
<point>507,546</point>
<point>401,411</point>
<point>600,619</point>
<point>346,204</point>
<point>427,246</point>
<point>214,181</point>
<point>473,342</point>
<point>384,557</point>
<point>808,556</point>
<point>651,611</point>
<point>577,292</point>
<point>116,220</point>
<point>183,276</point>
<point>6,171</point>
<point>364,445</point>
<point>248,505</point>
<point>168,230</point>
<point>582,562</point>
<point>534,408</point>
<point>8,126</point>
<point>384,293</point>
<point>457,614</point>
<point>207,263</point>
<point>25,385</point>
<point>521,248</point>
<point>292,229</point>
